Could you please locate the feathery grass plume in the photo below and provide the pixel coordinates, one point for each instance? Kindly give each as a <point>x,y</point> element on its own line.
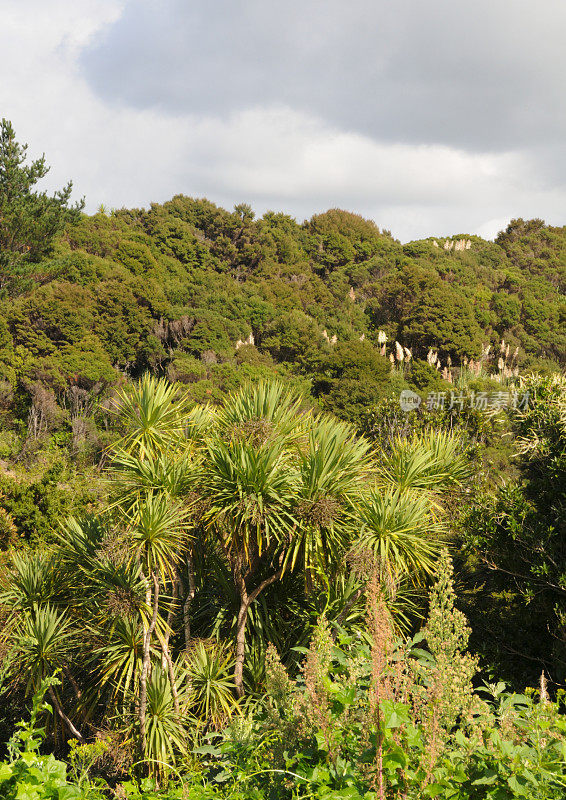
<point>399,352</point>
<point>432,357</point>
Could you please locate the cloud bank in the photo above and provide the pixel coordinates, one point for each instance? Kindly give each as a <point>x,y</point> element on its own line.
<point>431,118</point>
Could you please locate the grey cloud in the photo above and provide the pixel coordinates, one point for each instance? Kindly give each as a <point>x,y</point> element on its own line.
<point>299,106</point>
<point>481,76</point>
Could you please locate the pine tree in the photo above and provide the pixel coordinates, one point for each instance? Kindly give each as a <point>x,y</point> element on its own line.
<point>29,220</point>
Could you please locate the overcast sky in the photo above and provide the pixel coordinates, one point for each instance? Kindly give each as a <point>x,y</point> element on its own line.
<point>432,117</point>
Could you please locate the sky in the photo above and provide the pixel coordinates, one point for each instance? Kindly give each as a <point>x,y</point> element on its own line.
<point>432,118</point>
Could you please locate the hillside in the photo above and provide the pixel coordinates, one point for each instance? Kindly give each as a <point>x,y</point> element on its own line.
<point>210,297</point>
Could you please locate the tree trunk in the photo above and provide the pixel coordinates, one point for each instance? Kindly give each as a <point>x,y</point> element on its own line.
<point>166,660</point>
<point>56,705</point>
<point>188,601</point>
<point>241,646</point>
<point>169,629</point>
<point>167,663</point>
<point>245,603</point>
<point>146,658</point>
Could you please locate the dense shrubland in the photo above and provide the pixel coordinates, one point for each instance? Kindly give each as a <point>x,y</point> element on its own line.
<point>246,611</point>
<point>230,564</point>
<point>173,289</point>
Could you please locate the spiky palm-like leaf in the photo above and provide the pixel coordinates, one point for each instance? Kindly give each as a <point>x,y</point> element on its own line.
<point>398,532</point>
<point>80,542</point>
<point>158,534</point>
<point>154,414</point>
<point>41,643</point>
<point>30,581</point>
<point>200,422</point>
<point>208,674</point>
<point>331,474</point>
<point>117,658</point>
<point>250,491</point>
<point>263,412</point>
<point>431,462</point>
<point>166,736</point>
<point>94,564</point>
<point>336,461</point>
<point>134,478</point>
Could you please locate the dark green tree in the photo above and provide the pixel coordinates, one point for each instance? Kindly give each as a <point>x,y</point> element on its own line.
<point>516,542</point>
<point>350,378</point>
<point>29,220</point>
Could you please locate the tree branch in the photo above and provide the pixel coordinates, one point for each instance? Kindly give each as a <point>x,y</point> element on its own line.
<point>56,705</point>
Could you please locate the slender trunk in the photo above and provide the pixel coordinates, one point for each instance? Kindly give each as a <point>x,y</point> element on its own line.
<point>83,713</point>
<point>56,705</point>
<point>74,684</point>
<point>187,622</point>
<point>146,658</point>
<point>241,646</point>
<point>188,601</point>
<point>167,663</point>
<point>245,603</point>
<point>309,581</point>
<point>148,604</point>
<point>166,660</point>
<point>169,628</point>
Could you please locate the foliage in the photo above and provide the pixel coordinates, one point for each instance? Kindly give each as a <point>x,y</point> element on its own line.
<point>209,667</point>
<point>29,220</point>
<point>514,540</point>
<point>384,718</point>
<point>27,774</point>
<point>37,506</point>
<point>261,493</point>
<point>178,288</point>
<point>234,610</point>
